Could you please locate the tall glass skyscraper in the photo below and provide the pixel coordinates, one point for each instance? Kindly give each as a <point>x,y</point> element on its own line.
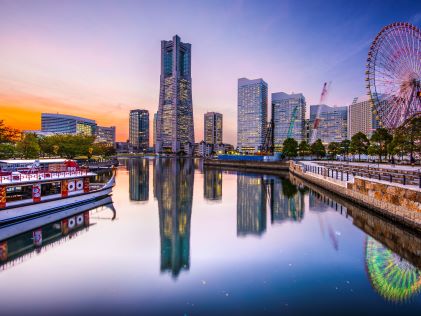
<point>252,114</point>
<point>139,130</point>
<point>288,113</point>
<point>213,128</point>
<point>333,122</point>
<point>175,112</point>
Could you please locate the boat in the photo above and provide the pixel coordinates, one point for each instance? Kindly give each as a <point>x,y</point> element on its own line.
<point>37,189</point>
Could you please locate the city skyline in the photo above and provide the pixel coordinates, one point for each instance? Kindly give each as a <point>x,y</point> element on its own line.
<point>119,67</point>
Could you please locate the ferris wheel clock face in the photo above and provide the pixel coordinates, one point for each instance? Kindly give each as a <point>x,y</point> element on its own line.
<point>393,74</point>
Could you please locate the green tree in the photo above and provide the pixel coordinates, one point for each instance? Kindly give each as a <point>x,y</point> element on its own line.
<point>304,148</point>
<point>7,151</point>
<point>412,132</point>
<point>290,146</point>
<point>318,149</point>
<point>379,142</point>
<point>28,147</point>
<point>344,147</point>
<point>359,144</point>
<point>333,149</point>
<point>397,146</point>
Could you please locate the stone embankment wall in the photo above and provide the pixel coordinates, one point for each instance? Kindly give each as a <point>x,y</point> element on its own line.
<point>405,208</point>
<point>252,165</point>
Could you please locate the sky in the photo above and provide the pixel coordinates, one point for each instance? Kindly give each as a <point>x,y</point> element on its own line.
<point>100,59</point>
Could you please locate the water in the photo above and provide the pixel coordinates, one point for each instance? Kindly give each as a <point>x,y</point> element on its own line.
<point>180,240</point>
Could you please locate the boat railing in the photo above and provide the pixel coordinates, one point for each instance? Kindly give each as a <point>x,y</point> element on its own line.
<point>23,177</point>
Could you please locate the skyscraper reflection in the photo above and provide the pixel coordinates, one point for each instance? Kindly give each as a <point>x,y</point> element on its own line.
<point>139,179</point>
<point>286,201</point>
<point>251,205</point>
<point>174,179</point>
<point>212,184</point>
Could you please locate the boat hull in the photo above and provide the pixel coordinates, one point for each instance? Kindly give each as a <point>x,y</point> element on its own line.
<point>20,227</point>
<point>23,212</point>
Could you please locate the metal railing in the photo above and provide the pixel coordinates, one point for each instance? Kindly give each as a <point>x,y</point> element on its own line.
<point>24,177</point>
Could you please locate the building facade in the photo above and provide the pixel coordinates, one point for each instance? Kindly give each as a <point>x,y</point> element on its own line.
<point>361,117</point>
<point>67,124</point>
<point>288,117</point>
<point>105,135</point>
<point>139,130</point>
<point>252,114</point>
<point>175,112</point>
<point>155,118</point>
<point>213,128</point>
<point>332,125</point>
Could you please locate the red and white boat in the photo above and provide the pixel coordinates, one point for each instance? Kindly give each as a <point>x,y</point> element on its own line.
<point>43,188</point>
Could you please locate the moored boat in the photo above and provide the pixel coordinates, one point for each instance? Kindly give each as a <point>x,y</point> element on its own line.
<point>37,191</point>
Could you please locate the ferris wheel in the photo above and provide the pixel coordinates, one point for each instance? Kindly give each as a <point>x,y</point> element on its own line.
<point>393,74</point>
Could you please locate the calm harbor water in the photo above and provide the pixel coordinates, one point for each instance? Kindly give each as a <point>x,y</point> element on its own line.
<point>183,240</point>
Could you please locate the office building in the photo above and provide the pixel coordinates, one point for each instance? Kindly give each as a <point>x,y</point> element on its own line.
<point>288,115</point>
<point>361,117</point>
<point>138,179</point>
<point>212,184</point>
<point>67,124</point>
<point>105,135</point>
<point>332,125</point>
<point>175,112</point>
<point>139,130</point>
<point>213,128</point>
<point>155,118</point>
<point>252,114</point>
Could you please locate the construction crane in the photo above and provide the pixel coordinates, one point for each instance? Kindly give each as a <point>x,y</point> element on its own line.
<point>323,96</point>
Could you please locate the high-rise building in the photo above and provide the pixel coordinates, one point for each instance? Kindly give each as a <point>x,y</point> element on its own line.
<point>105,135</point>
<point>252,114</point>
<point>213,128</point>
<point>155,118</point>
<point>288,114</point>
<point>67,124</point>
<point>175,112</point>
<point>361,117</point>
<point>332,125</point>
<point>139,130</point>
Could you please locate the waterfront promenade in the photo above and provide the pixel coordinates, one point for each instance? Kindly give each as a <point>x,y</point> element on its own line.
<point>398,199</point>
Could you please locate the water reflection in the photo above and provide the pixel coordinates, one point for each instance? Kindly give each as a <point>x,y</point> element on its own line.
<point>251,205</point>
<point>138,179</point>
<point>212,184</point>
<point>174,180</point>
<point>286,201</point>
<point>21,241</point>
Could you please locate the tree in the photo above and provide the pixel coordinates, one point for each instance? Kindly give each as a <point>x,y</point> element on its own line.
<point>359,144</point>
<point>304,148</point>
<point>7,151</point>
<point>344,147</point>
<point>411,132</point>
<point>28,147</point>
<point>8,134</point>
<point>290,146</point>
<point>333,149</point>
<point>379,142</point>
<point>318,149</point>
<point>397,146</point>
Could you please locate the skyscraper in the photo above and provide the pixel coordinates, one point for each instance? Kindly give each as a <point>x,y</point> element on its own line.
<point>361,117</point>
<point>288,113</point>
<point>252,114</point>
<point>138,179</point>
<point>155,118</point>
<point>213,128</point>
<point>105,135</point>
<point>175,112</point>
<point>333,122</point>
<point>139,130</point>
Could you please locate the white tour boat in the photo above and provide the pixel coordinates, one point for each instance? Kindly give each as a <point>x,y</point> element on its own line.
<point>45,188</point>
